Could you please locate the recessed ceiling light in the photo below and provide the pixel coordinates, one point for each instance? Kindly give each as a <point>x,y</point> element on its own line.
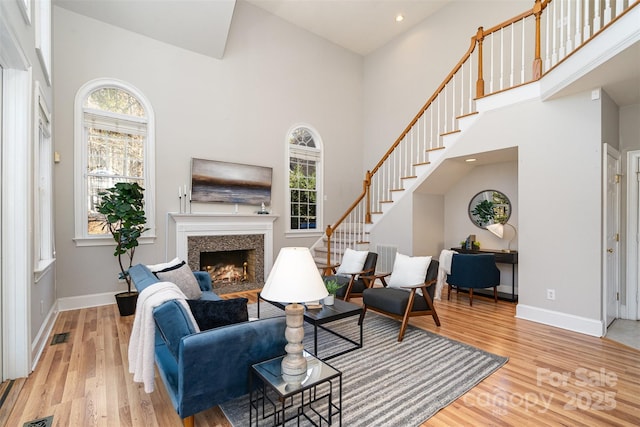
<point>470,160</point>
<point>399,17</point>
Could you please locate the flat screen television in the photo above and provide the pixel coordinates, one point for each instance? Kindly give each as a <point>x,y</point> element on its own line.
<point>224,182</point>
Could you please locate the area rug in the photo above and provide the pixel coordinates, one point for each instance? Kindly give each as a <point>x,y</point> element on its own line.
<point>389,383</point>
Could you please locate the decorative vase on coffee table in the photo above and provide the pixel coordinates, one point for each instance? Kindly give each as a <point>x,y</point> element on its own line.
<point>329,300</point>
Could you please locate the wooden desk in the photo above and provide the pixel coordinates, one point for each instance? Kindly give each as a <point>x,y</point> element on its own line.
<point>502,257</point>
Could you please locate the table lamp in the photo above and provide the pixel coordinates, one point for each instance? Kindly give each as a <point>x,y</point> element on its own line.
<point>294,279</point>
<point>498,230</point>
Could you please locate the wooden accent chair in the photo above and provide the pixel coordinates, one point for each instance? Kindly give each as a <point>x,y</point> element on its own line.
<point>355,283</point>
<point>474,271</point>
<point>403,303</point>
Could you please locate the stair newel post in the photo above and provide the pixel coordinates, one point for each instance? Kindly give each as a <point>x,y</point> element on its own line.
<point>480,82</point>
<point>367,190</point>
<point>327,270</point>
<point>537,61</point>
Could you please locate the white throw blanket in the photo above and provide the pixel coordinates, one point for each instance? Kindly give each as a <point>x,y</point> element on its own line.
<point>443,269</point>
<point>142,341</point>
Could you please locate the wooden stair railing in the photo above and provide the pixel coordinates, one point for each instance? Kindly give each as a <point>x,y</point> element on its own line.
<point>568,26</point>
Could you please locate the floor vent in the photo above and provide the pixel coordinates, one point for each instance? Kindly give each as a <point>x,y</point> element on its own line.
<point>60,338</point>
<point>42,422</point>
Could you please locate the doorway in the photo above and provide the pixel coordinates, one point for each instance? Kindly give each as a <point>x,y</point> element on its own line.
<point>633,230</point>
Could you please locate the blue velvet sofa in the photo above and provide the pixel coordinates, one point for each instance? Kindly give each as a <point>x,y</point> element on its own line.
<point>204,369</point>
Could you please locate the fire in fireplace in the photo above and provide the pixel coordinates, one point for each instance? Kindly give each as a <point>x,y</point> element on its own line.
<point>229,266</point>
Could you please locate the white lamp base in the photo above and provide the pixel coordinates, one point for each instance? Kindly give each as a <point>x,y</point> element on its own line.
<point>294,364</point>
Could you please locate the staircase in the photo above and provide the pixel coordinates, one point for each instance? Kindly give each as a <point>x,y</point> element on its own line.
<point>505,61</point>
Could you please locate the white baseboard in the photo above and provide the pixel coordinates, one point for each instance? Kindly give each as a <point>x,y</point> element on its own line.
<point>86,301</point>
<point>39,343</point>
<point>579,324</point>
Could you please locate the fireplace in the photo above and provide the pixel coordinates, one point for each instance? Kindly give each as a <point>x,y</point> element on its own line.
<point>227,267</point>
<point>191,234</point>
<point>224,258</point>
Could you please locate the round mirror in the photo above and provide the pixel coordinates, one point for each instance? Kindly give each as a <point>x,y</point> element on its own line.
<point>489,207</point>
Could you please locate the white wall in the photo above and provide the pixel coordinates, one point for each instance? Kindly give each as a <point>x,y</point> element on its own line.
<point>428,216</point>
<point>558,202</point>
<point>401,76</point>
<point>396,228</point>
<point>237,109</point>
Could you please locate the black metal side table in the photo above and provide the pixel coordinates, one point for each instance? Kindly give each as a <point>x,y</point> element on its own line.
<point>314,399</point>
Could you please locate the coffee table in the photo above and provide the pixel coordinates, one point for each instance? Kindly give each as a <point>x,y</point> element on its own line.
<point>319,317</point>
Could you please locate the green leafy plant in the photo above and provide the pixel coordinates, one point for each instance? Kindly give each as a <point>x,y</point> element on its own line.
<point>123,208</point>
<point>484,211</point>
<point>332,286</point>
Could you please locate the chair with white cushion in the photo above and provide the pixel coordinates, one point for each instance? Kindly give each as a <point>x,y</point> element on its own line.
<point>355,273</point>
<point>407,293</point>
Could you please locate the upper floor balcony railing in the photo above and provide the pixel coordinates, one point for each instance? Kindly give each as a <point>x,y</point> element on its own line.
<point>513,53</point>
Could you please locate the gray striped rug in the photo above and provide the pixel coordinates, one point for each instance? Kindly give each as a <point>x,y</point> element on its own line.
<point>387,383</point>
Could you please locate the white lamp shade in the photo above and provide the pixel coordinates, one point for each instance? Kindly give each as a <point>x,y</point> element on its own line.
<point>294,278</point>
<point>497,229</point>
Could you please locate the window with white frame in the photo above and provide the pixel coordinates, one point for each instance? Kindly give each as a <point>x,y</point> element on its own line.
<point>43,195</point>
<point>113,143</point>
<point>305,180</point>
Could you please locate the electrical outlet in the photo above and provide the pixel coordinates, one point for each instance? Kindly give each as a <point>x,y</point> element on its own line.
<point>41,307</point>
<point>551,294</point>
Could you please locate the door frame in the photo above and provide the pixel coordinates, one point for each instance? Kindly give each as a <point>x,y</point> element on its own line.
<point>632,236</point>
<point>608,152</point>
<point>16,245</point>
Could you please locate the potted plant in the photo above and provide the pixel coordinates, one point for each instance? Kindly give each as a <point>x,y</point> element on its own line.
<point>332,287</point>
<point>123,208</point>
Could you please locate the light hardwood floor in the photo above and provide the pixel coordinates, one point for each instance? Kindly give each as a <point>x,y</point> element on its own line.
<point>553,377</point>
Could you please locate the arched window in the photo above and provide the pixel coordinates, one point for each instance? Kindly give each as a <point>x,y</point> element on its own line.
<point>114,142</point>
<point>305,180</point>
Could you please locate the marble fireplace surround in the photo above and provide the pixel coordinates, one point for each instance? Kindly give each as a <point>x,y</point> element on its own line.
<point>193,233</point>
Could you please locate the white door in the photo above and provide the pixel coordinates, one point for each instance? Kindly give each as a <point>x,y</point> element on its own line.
<point>612,235</point>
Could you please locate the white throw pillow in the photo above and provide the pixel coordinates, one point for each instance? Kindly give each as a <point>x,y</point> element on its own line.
<point>352,261</point>
<point>409,271</point>
<point>164,265</point>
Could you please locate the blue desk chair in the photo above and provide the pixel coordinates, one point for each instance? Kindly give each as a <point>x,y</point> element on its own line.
<point>474,271</point>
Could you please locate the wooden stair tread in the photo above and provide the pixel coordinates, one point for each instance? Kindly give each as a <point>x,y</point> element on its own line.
<point>467,115</point>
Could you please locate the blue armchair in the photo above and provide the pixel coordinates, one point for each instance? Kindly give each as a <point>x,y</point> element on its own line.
<point>474,271</point>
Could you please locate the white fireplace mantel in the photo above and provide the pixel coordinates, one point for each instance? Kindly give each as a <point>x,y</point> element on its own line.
<point>183,225</point>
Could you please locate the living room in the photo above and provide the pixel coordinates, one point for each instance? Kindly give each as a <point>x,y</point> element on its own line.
<point>273,76</point>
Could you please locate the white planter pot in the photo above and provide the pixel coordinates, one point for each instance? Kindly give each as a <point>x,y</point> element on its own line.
<point>328,300</point>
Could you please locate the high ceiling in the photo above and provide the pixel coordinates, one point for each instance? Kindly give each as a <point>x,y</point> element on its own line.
<point>358,25</point>
<point>361,26</point>
<point>203,25</point>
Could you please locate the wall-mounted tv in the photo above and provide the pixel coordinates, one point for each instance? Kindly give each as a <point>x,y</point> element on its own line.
<point>223,182</point>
